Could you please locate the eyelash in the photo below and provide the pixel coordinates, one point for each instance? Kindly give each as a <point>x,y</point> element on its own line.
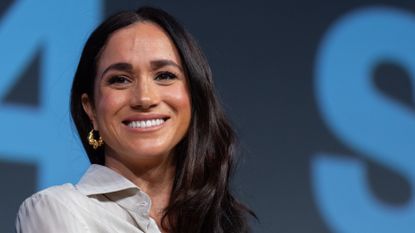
<point>117,79</point>
<point>165,76</point>
<point>162,76</point>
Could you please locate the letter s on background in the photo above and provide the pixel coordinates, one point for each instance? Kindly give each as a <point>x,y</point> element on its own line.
<point>364,119</point>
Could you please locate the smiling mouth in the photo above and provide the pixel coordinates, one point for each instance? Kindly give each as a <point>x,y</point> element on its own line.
<point>142,124</point>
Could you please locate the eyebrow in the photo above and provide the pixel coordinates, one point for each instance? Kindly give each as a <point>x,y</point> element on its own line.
<point>156,64</point>
<point>122,66</point>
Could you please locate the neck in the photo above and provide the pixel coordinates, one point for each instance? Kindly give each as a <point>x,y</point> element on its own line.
<point>155,179</point>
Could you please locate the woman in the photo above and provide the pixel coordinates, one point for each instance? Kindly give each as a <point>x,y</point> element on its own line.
<point>160,146</point>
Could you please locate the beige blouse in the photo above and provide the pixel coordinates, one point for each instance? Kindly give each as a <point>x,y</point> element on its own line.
<point>103,201</point>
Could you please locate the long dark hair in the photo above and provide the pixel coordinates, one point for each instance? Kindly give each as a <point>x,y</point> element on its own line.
<point>201,200</point>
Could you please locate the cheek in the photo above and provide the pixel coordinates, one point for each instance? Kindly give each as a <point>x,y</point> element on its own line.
<point>179,99</point>
<point>108,104</point>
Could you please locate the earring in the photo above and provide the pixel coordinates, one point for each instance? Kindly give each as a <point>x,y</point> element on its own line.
<point>93,142</point>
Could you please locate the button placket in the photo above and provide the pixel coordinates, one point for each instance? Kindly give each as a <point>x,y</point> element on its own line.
<point>143,206</point>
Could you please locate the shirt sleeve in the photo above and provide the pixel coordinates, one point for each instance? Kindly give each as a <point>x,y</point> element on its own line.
<point>43,213</point>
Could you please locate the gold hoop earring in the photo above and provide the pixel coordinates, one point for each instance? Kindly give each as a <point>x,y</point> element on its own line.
<point>93,142</point>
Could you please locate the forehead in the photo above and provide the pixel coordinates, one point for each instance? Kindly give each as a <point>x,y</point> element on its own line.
<point>138,43</point>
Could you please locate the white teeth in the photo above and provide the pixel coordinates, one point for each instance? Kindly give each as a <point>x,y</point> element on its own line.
<point>145,124</point>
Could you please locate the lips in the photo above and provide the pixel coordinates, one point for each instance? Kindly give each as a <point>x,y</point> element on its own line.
<point>145,122</point>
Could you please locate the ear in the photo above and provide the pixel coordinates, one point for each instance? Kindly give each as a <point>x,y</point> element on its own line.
<point>89,109</point>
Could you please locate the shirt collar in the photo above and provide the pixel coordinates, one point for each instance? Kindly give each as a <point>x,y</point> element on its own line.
<point>100,179</point>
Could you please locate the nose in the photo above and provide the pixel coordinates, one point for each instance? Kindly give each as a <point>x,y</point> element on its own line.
<point>145,95</point>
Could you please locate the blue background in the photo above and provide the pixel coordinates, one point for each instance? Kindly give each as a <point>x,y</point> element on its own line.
<point>320,93</point>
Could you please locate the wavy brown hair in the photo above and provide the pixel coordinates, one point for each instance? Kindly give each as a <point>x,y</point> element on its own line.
<point>201,200</point>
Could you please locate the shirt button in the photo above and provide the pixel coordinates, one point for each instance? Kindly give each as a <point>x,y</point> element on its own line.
<point>142,204</point>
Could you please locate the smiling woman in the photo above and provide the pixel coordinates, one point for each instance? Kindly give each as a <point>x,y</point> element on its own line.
<point>161,149</point>
<point>141,105</point>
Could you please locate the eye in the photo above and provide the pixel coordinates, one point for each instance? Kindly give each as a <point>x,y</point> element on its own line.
<point>165,76</point>
<point>118,79</point>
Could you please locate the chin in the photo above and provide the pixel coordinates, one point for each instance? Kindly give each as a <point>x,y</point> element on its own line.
<point>150,154</point>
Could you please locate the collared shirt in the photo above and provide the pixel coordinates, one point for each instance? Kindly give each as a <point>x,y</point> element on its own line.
<point>103,201</point>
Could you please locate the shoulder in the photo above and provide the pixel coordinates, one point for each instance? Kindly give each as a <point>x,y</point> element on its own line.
<point>61,196</point>
<point>51,192</point>
<point>51,196</point>
<point>55,191</point>
<point>49,210</point>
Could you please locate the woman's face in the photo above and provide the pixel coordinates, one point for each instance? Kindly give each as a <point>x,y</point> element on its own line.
<point>141,105</point>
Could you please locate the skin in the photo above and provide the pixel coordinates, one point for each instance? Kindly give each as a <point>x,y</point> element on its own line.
<point>147,82</point>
